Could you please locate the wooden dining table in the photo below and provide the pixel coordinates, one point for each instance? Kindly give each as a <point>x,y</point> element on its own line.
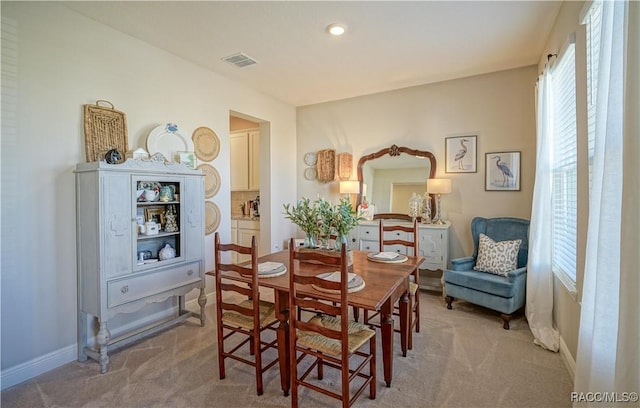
<point>385,283</point>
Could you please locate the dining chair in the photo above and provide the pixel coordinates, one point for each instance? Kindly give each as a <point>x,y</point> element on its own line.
<point>330,243</point>
<point>328,338</point>
<point>246,319</point>
<point>404,240</point>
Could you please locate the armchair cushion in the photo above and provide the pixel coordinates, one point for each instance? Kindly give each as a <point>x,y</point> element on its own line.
<point>497,285</point>
<point>497,257</point>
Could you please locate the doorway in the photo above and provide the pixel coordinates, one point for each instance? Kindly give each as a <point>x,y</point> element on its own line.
<point>250,169</point>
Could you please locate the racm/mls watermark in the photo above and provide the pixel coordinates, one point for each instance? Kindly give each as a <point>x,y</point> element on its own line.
<point>606,396</point>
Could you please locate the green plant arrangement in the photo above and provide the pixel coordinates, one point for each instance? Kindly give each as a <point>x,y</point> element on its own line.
<point>305,215</point>
<point>321,218</point>
<point>345,219</point>
<point>326,221</point>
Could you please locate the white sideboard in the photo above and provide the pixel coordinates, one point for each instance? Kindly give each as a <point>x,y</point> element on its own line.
<point>113,277</point>
<point>433,245</point>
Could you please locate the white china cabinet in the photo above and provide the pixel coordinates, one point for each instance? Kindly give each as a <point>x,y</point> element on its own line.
<point>122,224</point>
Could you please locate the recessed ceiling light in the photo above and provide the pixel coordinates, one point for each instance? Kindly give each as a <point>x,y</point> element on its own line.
<point>336,29</point>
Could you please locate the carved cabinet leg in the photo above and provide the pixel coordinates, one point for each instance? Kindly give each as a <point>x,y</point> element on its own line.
<point>103,340</point>
<point>449,299</point>
<point>202,301</point>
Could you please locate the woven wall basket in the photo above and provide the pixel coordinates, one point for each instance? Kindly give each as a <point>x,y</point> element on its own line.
<point>345,165</point>
<point>326,165</point>
<point>104,128</point>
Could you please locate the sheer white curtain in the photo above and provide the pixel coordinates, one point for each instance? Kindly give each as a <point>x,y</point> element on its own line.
<point>609,338</point>
<point>539,306</point>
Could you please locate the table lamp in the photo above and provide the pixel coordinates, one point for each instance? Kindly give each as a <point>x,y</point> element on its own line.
<point>350,188</point>
<point>438,187</point>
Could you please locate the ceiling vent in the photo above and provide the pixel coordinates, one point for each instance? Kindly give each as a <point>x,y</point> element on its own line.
<point>240,60</point>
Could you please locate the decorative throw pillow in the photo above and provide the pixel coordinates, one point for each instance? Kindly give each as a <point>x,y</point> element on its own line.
<point>497,257</point>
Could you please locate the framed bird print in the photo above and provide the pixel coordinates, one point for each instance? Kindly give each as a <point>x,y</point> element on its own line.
<point>502,171</point>
<point>460,154</point>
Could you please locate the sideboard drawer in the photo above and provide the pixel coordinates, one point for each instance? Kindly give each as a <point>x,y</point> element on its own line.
<point>368,245</point>
<point>369,233</point>
<point>138,287</point>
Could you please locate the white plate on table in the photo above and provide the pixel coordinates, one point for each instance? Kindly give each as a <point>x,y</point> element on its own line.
<point>166,139</point>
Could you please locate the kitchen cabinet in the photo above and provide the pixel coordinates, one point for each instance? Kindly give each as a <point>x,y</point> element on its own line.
<point>242,230</point>
<point>245,160</point>
<point>433,245</point>
<point>120,266</point>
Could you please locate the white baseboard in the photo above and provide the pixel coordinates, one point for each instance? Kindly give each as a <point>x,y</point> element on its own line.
<point>568,359</point>
<point>40,365</point>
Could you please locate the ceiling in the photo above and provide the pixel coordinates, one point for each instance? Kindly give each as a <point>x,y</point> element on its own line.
<point>388,45</point>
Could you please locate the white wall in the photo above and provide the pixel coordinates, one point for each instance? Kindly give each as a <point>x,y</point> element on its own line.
<point>498,107</point>
<point>55,61</point>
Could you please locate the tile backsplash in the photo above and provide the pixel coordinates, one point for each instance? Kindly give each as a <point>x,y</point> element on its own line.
<point>239,197</point>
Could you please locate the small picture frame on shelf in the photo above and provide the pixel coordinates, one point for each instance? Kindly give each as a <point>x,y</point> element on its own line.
<point>502,171</point>
<point>155,214</point>
<point>188,158</point>
<point>461,154</point>
<point>140,217</point>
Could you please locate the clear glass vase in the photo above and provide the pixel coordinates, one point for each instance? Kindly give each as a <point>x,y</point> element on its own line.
<point>340,239</point>
<point>310,241</point>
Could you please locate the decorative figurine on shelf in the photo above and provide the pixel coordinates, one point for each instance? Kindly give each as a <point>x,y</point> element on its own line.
<point>166,253</point>
<point>171,223</point>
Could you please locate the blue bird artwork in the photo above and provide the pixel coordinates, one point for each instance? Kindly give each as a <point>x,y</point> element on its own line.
<point>505,170</point>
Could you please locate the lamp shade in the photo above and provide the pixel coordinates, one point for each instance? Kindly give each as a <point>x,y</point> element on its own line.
<point>438,186</point>
<point>349,187</point>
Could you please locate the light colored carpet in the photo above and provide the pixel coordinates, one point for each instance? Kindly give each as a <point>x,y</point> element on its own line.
<point>461,358</point>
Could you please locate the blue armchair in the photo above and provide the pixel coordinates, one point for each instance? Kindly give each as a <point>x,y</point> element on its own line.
<point>503,293</point>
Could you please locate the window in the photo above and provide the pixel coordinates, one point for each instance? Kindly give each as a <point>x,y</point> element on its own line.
<point>592,21</point>
<point>564,159</point>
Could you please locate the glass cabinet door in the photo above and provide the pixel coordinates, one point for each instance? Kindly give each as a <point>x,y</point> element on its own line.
<point>158,219</point>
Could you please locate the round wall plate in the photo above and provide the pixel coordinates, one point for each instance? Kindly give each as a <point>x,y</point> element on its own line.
<point>310,159</point>
<point>205,143</point>
<point>310,173</point>
<point>211,217</point>
<point>211,180</point>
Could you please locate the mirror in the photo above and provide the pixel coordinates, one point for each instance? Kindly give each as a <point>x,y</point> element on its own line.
<point>392,175</point>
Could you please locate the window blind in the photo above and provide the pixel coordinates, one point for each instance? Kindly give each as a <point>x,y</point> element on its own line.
<point>564,164</point>
<point>592,21</point>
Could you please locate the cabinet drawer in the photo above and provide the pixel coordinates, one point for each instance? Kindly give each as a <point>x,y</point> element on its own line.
<point>138,287</point>
<point>400,249</point>
<point>401,235</point>
<point>369,233</point>
<point>372,246</point>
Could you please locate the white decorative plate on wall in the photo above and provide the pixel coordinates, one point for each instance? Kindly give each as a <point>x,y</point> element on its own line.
<point>166,139</point>
<point>310,173</point>
<point>310,158</point>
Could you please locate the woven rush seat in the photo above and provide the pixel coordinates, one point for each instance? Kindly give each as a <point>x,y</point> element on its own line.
<point>358,335</point>
<point>267,315</point>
